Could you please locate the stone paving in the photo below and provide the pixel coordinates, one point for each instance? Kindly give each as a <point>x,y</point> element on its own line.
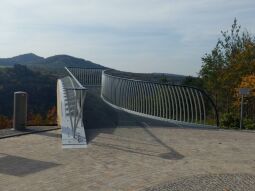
<point>216,182</point>
<point>142,157</point>
<point>10,132</point>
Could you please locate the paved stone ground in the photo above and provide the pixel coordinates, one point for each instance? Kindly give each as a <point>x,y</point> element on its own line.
<point>10,132</point>
<point>131,158</point>
<point>216,182</point>
<point>127,152</point>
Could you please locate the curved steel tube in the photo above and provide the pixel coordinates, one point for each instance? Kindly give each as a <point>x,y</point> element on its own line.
<point>171,102</point>
<point>180,103</point>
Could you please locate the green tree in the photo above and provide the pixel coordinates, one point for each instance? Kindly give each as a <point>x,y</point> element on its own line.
<point>228,62</point>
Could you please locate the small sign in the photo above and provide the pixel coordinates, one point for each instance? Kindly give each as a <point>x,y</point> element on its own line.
<point>244,91</point>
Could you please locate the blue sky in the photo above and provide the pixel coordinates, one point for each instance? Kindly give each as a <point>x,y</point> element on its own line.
<point>133,35</point>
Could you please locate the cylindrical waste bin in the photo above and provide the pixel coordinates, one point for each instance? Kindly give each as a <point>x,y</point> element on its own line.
<point>20,110</point>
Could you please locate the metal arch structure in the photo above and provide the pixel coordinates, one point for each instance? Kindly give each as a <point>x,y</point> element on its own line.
<point>70,102</point>
<point>176,103</point>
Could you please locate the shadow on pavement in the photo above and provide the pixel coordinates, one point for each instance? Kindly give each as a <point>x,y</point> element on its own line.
<point>99,115</point>
<point>20,166</point>
<point>100,118</point>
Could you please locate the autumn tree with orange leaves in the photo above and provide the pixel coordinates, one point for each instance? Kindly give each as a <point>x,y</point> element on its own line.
<point>5,122</point>
<point>230,66</point>
<point>38,120</point>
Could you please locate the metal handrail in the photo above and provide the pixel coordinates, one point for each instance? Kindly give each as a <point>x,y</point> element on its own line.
<point>86,76</point>
<point>74,94</point>
<point>74,78</point>
<point>164,101</point>
<point>179,103</point>
<point>71,96</point>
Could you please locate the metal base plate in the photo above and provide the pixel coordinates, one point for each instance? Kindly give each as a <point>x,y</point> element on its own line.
<point>68,141</point>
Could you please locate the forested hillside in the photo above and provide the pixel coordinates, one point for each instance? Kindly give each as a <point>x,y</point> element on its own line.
<point>41,89</point>
<point>152,77</point>
<point>53,62</point>
<point>22,59</point>
<point>38,77</point>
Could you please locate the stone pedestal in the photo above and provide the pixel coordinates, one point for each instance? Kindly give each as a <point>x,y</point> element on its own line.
<point>20,110</point>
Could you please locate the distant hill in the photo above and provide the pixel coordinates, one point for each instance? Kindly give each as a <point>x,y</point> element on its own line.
<point>21,59</point>
<point>57,61</point>
<point>50,64</point>
<point>68,61</point>
<point>152,77</point>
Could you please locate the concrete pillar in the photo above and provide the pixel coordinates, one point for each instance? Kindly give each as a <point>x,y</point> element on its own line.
<point>20,110</point>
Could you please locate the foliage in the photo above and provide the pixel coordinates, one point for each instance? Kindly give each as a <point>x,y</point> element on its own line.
<point>229,66</point>
<point>33,119</point>
<point>41,89</point>
<point>51,117</point>
<point>229,120</point>
<point>193,81</point>
<point>5,122</point>
<point>248,82</point>
<point>37,119</point>
<point>248,124</point>
<point>163,80</point>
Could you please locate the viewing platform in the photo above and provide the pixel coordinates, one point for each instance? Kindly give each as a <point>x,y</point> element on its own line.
<point>134,156</point>
<point>129,145</point>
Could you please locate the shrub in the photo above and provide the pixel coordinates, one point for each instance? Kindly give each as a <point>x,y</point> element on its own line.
<point>248,124</point>
<point>5,122</point>
<point>229,120</point>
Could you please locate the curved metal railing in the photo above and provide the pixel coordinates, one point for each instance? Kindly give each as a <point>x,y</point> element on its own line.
<point>86,76</point>
<point>177,103</point>
<point>71,95</point>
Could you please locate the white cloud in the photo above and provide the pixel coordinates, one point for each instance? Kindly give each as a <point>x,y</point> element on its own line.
<point>121,33</point>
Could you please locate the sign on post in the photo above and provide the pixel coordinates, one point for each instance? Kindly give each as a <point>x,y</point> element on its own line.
<point>243,92</point>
